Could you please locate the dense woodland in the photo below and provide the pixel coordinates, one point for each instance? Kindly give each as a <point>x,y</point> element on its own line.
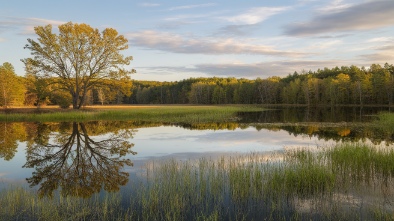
<point>337,86</point>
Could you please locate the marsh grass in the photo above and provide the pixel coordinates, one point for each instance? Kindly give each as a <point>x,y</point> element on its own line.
<point>385,121</point>
<point>19,203</point>
<point>345,182</point>
<point>163,114</point>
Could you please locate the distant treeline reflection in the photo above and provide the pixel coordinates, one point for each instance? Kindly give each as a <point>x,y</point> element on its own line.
<point>39,134</point>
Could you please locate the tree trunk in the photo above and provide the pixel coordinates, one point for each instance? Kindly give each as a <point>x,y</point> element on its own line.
<point>75,100</point>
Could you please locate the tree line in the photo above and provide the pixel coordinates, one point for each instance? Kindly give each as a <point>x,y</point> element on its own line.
<point>347,85</point>
<point>29,90</point>
<point>336,86</point>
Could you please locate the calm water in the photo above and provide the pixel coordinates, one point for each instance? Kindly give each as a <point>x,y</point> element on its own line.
<point>96,154</point>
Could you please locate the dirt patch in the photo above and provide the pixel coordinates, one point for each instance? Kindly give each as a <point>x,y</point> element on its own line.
<point>27,110</point>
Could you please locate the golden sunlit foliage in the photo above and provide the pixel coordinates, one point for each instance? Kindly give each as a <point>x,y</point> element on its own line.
<point>11,86</point>
<point>79,59</point>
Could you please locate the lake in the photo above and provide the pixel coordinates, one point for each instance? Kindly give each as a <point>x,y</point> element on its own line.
<point>51,155</point>
<point>295,163</point>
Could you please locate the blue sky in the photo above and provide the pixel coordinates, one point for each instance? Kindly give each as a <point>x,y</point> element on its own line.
<point>175,40</point>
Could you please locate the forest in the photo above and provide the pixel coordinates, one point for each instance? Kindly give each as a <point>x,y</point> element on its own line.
<point>346,85</point>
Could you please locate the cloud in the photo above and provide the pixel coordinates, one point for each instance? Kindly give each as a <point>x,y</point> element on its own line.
<point>248,70</point>
<point>264,69</point>
<point>182,20</point>
<point>386,48</point>
<point>381,39</point>
<point>2,39</point>
<point>191,6</point>
<point>255,15</point>
<point>334,36</point>
<point>365,16</point>
<point>323,45</point>
<point>383,53</point>
<point>236,30</point>
<point>26,25</point>
<point>381,44</point>
<point>335,6</point>
<point>185,18</point>
<point>173,24</point>
<point>177,44</point>
<point>379,58</point>
<point>45,21</point>
<point>149,4</point>
<point>33,22</point>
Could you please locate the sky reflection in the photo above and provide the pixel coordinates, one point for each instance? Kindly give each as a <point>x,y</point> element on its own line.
<point>165,140</point>
<point>159,143</point>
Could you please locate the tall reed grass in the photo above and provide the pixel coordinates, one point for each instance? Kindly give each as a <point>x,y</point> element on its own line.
<point>345,182</point>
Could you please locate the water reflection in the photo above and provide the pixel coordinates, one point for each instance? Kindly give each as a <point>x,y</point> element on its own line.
<point>10,133</point>
<point>81,159</point>
<point>77,163</point>
<point>316,114</point>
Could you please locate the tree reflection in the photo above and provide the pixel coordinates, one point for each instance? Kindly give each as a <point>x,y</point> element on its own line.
<point>10,134</point>
<point>79,164</point>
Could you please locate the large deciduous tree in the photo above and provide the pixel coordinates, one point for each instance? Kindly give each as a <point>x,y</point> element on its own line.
<point>79,57</point>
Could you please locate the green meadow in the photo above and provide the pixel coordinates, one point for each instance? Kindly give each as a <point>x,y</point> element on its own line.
<point>162,114</point>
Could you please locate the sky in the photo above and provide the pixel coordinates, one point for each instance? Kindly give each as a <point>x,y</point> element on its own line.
<point>175,40</point>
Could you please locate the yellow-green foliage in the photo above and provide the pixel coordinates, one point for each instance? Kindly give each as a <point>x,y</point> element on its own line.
<point>11,86</point>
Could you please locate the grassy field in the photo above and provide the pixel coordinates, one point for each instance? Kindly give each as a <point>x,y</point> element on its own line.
<point>163,114</point>
<point>349,181</point>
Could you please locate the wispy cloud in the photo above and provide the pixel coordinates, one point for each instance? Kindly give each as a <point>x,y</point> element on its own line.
<point>236,30</point>
<point>45,21</point>
<point>250,70</point>
<point>381,39</point>
<point>254,15</point>
<point>265,69</point>
<point>2,39</point>
<point>323,45</point>
<point>149,4</point>
<point>382,50</point>
<point>380,57</point>
<point>335,6</point>
<point>185,17</point>
<point>178,44</point>
<point>167,25</point>
<point>365,16</point>
<point>26,26</point>
<point>192,6</point>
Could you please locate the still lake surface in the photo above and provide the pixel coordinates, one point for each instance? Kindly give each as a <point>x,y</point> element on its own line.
<point>94,154</point>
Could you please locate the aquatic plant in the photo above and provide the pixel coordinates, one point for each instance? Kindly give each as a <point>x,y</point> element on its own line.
<point>346,181</point>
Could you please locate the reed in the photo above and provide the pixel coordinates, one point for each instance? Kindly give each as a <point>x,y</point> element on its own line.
<point>346,181</point>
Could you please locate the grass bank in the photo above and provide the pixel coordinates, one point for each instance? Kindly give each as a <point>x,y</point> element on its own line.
<point>162,114</point>
<point>345,182</point>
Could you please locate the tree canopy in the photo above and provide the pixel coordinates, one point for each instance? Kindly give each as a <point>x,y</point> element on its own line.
<point>79,58</point>
<point>11,86</point>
